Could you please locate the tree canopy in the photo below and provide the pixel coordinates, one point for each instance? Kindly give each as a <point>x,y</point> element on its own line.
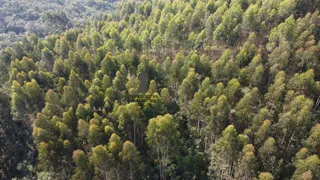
<point>201,89</point>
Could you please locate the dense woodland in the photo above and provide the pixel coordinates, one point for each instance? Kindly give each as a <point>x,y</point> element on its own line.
<point>44,17</point>
<point>200,89</point>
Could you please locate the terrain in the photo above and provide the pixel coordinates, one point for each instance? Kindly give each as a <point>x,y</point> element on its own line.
<point>201,89</point>
<point>20,18</point>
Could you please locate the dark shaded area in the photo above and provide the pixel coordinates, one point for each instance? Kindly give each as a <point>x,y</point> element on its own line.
<point>17,150</point>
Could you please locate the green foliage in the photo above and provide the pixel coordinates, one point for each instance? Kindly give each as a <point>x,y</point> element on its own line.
<point>228,29</point>
<point>83,170</point>
<point>268,156</point>
<point>247,163</point>
<point>166,90</point>
<point>130,156</point>
<point>263,132</point>
<point>130,118</point>
<point>308,168</point>
<point>225,68</point>
<point>296,117</point>
<point>219,115</point>
<point>275,95</point>
<point>266,176</point>
<point>311,142</point>
<point>188,87</point>
<point>245,108</point>
<point>162,136</point>
<point>224,154</point>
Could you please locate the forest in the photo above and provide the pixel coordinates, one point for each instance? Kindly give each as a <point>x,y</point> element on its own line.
<point>19,18</point>
<point>166,89</point>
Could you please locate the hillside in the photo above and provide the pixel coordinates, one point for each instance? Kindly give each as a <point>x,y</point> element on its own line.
<point>19,18</point>
<point>201,89</point>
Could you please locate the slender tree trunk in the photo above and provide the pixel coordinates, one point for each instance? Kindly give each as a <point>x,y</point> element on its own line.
<point>283,138</point>
<point>131,175</point>
<point>291,138</point>
<point>104,174</point>
<point>198,126</point>
<point>142,130</point>
<point>134,133</point>
<point>118,172</point>
<point>160,164</point>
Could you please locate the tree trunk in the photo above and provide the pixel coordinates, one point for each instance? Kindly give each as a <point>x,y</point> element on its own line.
<point>198,126</point>
<point>134,133</point>
<point>131,175</point>
<point>291,138</point>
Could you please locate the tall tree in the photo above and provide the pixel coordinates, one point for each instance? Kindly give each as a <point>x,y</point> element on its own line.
<point>130,156</point>
<point>162,136</point>
<point>224,154</point>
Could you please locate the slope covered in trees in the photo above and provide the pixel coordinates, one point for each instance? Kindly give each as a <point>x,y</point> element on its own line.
<point>206,89</point>
<point>44,17</point>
